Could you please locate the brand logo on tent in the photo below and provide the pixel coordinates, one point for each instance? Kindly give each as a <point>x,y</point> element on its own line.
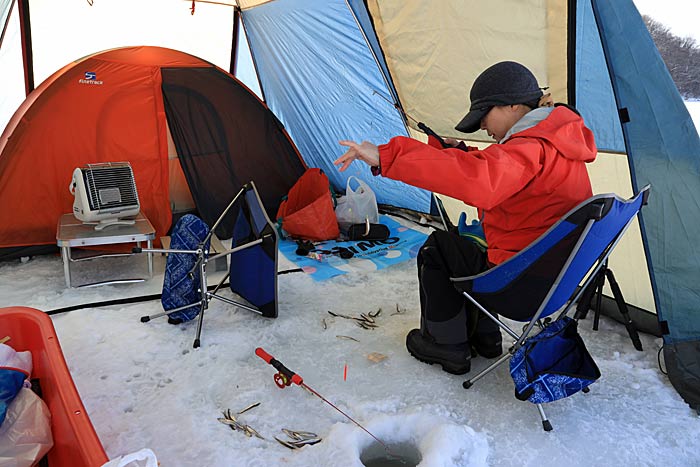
<point>90,78</point>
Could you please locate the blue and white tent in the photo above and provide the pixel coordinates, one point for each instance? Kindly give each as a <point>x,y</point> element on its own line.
<point>342,69</point>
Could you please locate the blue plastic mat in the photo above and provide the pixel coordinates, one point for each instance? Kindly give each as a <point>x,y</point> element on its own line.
<point>324,260</point>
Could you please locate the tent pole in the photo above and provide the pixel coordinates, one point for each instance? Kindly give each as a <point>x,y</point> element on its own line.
<point>252,56</point>
<point>27,56</point>
<point>233,64</point>
<point>387,81</point>
<point>571,53</point>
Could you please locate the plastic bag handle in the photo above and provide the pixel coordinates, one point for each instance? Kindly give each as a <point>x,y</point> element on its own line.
<point>142,455</point>
<point>360,184</point>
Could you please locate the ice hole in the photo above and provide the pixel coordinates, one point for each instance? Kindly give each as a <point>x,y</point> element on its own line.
<point>402,455</point>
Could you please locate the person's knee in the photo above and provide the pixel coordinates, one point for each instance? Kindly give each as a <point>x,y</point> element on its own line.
<point>430,254</point>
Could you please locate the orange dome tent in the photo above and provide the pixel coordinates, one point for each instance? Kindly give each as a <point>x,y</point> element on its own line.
<point>122,105</point>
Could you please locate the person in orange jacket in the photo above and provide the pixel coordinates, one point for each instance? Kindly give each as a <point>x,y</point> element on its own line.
<point>521,186</point>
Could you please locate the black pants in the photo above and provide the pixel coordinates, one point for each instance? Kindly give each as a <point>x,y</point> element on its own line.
<point>446,314</point>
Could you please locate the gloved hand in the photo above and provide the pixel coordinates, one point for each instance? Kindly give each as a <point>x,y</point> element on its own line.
<point>473,231</point>
<point>462,226</point>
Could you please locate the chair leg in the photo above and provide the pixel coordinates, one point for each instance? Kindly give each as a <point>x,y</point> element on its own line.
<point>205,299</point>
<point>195,344</point>
<point>467,384</point>
<point>546,424</point>
<point>622,308</point>
<point>145,319</point>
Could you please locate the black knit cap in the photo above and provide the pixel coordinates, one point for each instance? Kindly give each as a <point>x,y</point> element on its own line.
<point>504,83</point>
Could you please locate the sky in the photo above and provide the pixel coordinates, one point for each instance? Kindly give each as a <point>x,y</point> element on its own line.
<point>681,16</point>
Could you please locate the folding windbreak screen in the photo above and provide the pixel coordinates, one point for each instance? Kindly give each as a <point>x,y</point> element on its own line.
<point>594,96</point>
<point>664,150</point>
<point>253,270</point>
<point>324,83</point>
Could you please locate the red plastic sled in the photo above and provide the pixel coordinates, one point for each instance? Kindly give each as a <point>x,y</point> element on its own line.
<point>75,442</point>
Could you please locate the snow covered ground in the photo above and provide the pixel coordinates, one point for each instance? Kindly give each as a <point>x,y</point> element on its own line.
<point>145,386</point>
<point>694,110</point>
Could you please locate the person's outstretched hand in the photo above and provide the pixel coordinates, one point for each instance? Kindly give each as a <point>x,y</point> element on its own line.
<point>366,152</point>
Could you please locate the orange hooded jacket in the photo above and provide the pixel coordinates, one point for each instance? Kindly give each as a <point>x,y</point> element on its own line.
<point>522,186</point>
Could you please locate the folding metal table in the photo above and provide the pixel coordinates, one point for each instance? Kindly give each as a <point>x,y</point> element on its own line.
<point>72,233</point>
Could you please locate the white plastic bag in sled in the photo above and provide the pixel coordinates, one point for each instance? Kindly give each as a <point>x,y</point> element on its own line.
<point>143,458</point>
<point>25,435</point>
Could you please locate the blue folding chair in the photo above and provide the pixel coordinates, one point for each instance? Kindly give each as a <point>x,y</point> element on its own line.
<point>252,270</point>
<point>544,278</point>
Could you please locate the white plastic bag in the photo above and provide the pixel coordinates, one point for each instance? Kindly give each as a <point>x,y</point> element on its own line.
<point>357,206</point>
<point>143,458</point>
<point>25,436</point>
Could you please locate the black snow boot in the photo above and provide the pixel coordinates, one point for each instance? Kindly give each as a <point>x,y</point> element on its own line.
<point>486,339</point>
<point>454,358</point>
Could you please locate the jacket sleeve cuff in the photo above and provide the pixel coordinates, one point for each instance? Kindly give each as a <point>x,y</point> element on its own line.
<point>386,156</point>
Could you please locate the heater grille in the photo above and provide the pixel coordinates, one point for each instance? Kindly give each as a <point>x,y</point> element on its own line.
<point>105,194</point>
<point>110,186</point>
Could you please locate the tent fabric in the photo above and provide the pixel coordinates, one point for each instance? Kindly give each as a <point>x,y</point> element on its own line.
<point>11,68</point>
<point>660,135</point>
<point>109,107</point>
<point>362,17</point>
<point>228,144</point>
<point>435,50</point>
<point>110,120</point>
<point>594,94</point>
<point>663,149</point>
<point>325,90</point>
<point>610,172</point>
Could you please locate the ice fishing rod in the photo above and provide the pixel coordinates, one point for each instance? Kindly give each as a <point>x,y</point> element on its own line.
<point>286,377</point>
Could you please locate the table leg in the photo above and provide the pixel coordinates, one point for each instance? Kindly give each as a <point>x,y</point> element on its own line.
<point>65,254</point>
<point>149,244</point>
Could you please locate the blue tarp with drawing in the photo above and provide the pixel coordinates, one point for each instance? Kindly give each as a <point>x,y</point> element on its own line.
<point>324,260</point>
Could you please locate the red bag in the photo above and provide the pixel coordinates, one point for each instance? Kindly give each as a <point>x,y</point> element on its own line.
<point>308,210</point>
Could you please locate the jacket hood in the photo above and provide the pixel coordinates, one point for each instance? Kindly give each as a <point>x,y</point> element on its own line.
<point>562,128</point>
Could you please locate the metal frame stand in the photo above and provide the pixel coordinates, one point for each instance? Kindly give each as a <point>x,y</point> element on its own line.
<point>201,264</point>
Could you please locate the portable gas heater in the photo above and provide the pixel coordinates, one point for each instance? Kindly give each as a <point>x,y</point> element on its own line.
<point>105,194</point>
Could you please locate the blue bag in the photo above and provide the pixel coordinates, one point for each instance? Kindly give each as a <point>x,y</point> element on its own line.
<point>552,365</point>
<point>15,367</point>
<point>181,281</point>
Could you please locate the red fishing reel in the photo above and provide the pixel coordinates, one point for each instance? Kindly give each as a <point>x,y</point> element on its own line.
<point>282,381</point>
<point>285,377</point>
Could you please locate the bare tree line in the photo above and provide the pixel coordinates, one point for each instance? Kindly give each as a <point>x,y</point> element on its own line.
<point>681,55</point>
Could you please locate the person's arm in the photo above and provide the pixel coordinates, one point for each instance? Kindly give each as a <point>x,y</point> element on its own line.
<point>365,151</point>
<point>480,178</point>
